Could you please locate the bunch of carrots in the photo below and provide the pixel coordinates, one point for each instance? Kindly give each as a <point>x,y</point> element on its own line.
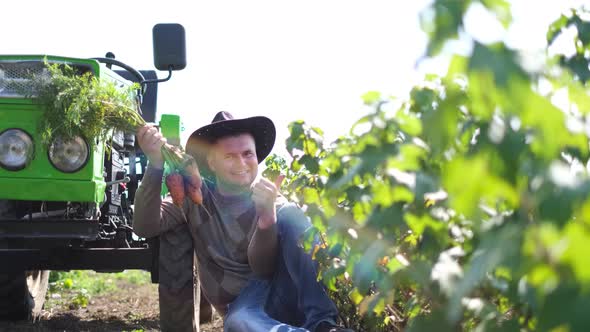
<point>184,179</point>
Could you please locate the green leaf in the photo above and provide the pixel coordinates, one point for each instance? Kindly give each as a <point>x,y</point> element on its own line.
<point>330,277</point>
<point>311,196</point>
<point>409,158</point>
<point>382,193</point>
<point>440,120</point>
<point>433,321</point>
<point>485,258</point>
<point>559,308</point>
<point>365,270</point>
<point>371,97</point>
<point>492,325</point>
<point>423,99</point>
<point>372,303</point>
<point>442,21</point>
<point>501,8</point>
<point>582,23</point>
<point>356,296</point>
<point>400,194</point>
<point>372,157</point>
<point>498,60</point>
<point>544,241</point>
<point>556,28</point>
<point>394,265</point>
<point>469,182</point>
<point>309,237</point>
<point>424,184</point>
<point>543,277</point>
<point>295,140</point>
<point>484,96</point>
<point>578,249</point>
<point>311,163</point>
<point>419,223</point>
<point>389,220</point>
<point>550,134</point>
<point>578,64</point>
<point>579,96</point>
<point>409,123</point>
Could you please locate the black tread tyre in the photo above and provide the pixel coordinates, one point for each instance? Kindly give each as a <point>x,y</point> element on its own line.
<point>22,294</point>
<point>13,300</point>
<point>178,287</point>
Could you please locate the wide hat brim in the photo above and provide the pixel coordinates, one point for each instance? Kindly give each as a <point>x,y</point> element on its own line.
<point>201,140</point>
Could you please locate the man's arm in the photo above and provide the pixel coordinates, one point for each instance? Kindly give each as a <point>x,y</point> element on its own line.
<point>262,251</point>
<point>153,216</point>
<point>263,247</point>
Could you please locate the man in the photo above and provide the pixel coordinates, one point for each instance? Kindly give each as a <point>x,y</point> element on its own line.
<point>246,237</point>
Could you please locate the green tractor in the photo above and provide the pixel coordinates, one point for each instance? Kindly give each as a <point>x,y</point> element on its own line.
<point>69,205</point>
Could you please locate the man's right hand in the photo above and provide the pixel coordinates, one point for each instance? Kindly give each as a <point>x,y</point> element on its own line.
<point>151,141</point>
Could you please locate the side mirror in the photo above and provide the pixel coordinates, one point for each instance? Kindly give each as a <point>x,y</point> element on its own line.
<point>169,46</point>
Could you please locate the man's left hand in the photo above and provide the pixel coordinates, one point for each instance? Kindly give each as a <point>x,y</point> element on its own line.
<point>264,195</point>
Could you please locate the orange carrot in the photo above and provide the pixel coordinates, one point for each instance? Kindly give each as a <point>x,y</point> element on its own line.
<point>176,188</point>
<point>191,172</point>
<point>194,193</point>
<point>193,182</point>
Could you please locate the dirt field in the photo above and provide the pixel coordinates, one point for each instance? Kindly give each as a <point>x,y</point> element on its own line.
<point>130,308</point>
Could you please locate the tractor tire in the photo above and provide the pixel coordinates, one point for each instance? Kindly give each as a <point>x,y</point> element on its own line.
<point>178,289</point>
<point>204,310</point>
<point>22,295</point>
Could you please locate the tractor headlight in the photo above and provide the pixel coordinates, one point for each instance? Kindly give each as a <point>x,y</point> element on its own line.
<point>16,149</point>
<point>68,156</point>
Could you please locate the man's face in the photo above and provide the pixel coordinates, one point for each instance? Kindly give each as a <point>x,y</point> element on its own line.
<point>234,162</point>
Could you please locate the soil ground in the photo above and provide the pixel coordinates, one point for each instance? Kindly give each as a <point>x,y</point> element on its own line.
<point>130,308</point>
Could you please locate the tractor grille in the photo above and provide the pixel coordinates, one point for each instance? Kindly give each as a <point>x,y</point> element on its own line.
<point>16,77</point>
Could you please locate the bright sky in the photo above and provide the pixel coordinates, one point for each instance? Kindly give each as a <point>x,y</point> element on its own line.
<point>288,60</point>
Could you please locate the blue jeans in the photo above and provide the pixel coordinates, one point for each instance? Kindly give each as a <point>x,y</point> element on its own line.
<point>293,300</point>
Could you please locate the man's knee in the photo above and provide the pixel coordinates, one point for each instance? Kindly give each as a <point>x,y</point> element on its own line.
<point>291,221</point>
<point>235,320</point>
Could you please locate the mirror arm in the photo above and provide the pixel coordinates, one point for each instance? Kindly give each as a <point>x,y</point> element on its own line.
<point>161,79</point>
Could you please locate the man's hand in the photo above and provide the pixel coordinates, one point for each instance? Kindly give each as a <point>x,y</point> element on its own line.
<point>264,195</point>
<point>151,141</point>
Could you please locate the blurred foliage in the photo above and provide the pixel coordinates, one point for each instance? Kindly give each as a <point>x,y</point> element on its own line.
<point>465,207</point>
<point>577,62</point>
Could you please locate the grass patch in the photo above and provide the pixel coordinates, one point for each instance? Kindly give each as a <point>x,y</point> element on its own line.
<point>93,282</point>
<point>75,288</point>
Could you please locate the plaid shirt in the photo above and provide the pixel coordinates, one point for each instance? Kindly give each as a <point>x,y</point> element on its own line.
<point>230,248</point>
